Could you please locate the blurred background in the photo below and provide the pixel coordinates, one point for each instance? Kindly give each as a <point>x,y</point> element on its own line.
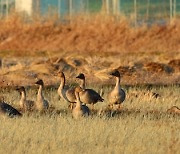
<point>141,11</point>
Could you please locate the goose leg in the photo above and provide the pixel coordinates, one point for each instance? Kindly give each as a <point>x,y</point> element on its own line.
<point>71,106</point>
<point>119,106</point>
<point>110,106</point>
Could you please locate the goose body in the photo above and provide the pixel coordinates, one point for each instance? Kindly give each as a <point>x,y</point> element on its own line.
<point>80,110</point>
<point>26,105</point>
<point>41,103</point>
<point>88,96</point>
<point>8,110</point>
<point>117,95</point>
<point>68,94</point>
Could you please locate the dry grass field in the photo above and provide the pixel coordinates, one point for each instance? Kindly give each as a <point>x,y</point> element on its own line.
<point>86,34</point>
<point>142,126</point>
<point>147,57</point>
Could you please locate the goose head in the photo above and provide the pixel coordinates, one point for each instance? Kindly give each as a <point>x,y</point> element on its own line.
<point>81,76</point>
<point>40,82</point>
<point>115,73</point>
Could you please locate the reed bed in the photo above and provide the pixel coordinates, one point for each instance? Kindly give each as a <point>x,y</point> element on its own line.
<point>95,33</point>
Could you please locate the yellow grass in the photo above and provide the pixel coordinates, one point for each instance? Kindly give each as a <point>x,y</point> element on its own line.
<point>143,126</point>
<point>93,46</point>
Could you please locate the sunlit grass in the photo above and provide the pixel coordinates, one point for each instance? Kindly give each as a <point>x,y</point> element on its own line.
<point>143,126</point>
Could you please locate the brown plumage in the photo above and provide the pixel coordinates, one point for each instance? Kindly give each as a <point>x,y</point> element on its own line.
<point>79,110</point>
<point>6,109</point>
<point>65,92</point>
<point>41,103</point>
<point>26,105</point>
<point>117,95</point>
<point>88,96</point>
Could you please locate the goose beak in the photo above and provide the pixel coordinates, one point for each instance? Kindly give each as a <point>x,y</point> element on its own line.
<point>37,82</point>
<point>78,77</point>
<point>112,74</point>
<point>17,89</point>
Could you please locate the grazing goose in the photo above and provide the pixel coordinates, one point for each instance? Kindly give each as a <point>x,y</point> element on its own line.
<point>65,92</point>
<point>79,110</point>
<point>117,95</point>
<point>88,96</point>
<point>41,103</point>
<point>26,105</point>
<point>7,109</point>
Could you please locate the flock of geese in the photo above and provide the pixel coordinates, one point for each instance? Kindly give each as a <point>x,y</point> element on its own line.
<point>77,97</point>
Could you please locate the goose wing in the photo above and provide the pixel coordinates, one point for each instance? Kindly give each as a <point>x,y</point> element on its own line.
<point>92,96</point>
<point>117,97</point>
<point>85,109</point>
<point>46,104</point>
<point>70,94</point>
<point>122,95</point>
<point>9,110</point>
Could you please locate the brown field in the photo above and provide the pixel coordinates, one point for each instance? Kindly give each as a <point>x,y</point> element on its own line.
<point>147,57</point>
<point>93,45</point>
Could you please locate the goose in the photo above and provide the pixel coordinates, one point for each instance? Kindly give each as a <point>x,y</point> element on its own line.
<point>88,96</point>
<point>41,103</point>
<point>26,105</point>
<point>79,110</point>
<point>6,109</point>
<point>117,95</point>
<point>68,94</point>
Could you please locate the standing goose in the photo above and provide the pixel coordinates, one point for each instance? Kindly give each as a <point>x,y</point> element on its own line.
<point>79,110</point>
<point>26,105</point>
<point>117,95</point>
<point>41,103</point>
<point>7,109</point>
<point>88,96</point>
<point>68,94</point>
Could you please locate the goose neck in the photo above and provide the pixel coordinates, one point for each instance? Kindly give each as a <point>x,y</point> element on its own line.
<point>62,84</point>
<point>83,84</point>
<point>23,95</point>
<point>117,82</point>
<point>78,102</point>
<point>40,91</point>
